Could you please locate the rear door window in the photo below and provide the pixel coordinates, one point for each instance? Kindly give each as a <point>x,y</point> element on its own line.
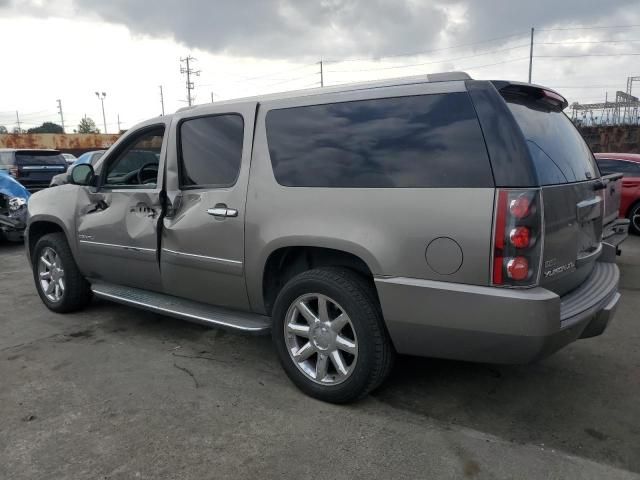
<point>560,154</point>
<point>211,151</point>
<point>401,142</point>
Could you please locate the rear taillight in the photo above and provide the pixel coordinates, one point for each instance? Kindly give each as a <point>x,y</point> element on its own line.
<point>517,233</point>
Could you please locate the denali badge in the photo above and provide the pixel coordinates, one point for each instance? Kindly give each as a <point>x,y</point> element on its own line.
<point>560,269</point>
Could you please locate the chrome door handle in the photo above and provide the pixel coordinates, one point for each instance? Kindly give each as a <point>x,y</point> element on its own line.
<point>222,211</point>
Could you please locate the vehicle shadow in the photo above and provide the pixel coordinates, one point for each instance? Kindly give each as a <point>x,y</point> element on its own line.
<point>560,403</point>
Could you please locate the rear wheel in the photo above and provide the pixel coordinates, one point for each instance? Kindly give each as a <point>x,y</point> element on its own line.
<point>634,218</point>
<point>329,334</point>
<point>60,284</point>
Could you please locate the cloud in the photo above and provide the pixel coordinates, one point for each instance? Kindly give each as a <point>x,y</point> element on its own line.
<point>281,28</point>
<point>297,29</point>
<point>341,28</point>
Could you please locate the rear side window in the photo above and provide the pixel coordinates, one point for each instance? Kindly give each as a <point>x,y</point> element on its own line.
<point>211,151</point>
<point>560,154</point>
<point>404,142</point>
<point>39,158</point>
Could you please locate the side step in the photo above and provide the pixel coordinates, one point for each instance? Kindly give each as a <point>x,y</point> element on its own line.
<point>189,310</point>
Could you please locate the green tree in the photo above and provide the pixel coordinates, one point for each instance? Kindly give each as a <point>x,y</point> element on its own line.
<point>3,129</point>
<point>47,127</point>
<point>17,130</point>
<point>87,125</point>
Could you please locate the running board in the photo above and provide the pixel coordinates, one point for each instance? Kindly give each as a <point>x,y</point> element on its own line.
<point>183,309</point>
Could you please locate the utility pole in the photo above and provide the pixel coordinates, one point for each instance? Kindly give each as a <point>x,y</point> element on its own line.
<point>189,71</point>
<point>18,122</point>
<point>60,112</point>
<point>118,123</point>
<point>162,100</point>
<point>321,75</point>
<point>104,118</point>
<point>211,97</point>
<point>531,55</point>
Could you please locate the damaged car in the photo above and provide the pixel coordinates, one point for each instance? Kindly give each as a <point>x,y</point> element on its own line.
<point>13,208</point>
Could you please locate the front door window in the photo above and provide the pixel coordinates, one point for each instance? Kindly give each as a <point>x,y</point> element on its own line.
<point>137,165</point>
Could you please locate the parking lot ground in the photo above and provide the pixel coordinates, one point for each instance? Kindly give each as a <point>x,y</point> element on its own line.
<point>117,393</point>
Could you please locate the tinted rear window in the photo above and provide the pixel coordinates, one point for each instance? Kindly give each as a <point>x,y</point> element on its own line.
<point>403,142</point>
<point>40,158</point>
<point>211,150</point>
<point>560,154</point>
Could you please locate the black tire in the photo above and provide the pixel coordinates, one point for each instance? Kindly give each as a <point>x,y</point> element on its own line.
<point>634,211</point>
<point>357,298</point>
<point>77,292</point>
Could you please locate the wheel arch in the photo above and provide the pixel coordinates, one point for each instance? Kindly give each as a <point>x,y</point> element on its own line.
<point>286,261</point>
<point>40,226</point>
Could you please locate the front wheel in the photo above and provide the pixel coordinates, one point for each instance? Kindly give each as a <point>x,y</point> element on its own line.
<point>330,336</point>
<point>60,284</point>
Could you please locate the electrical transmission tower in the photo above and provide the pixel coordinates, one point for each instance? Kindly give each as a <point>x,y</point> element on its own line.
<point>189,71</point>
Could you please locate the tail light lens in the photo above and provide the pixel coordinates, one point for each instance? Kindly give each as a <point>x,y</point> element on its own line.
<point>518,268</point>
<point>517,234</point>
<point>520,237</point>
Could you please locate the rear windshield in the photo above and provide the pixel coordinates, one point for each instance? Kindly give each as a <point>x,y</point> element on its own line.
<point>39,158</point>
<point>560,154</point>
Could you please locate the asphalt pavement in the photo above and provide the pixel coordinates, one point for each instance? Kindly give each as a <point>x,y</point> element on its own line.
<point>117,393</point>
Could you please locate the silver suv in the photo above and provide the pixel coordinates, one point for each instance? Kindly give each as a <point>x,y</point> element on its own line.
<point>437,215</point>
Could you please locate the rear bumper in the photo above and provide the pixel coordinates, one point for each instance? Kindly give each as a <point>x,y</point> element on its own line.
<point>494,325</point>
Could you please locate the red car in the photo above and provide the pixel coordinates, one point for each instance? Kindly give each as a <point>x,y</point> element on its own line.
<point>629,165</point>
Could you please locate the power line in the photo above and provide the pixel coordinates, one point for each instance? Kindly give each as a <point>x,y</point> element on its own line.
<point>475,67</point>
<point>288,80</point>
<point>429,63</point>
<point>425,52</point>
<point>587,41</point>
<point>590,55</point>
<point>259,77</point>
<point>588,28</point>
<point>497,63</point>
<point>583,86</point>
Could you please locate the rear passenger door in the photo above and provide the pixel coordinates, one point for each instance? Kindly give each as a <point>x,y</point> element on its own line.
<point>202,254</point>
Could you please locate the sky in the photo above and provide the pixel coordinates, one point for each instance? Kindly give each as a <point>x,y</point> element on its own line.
<point>69,49</point>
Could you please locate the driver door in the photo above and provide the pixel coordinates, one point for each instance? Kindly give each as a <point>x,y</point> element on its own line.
<point>117,221</point>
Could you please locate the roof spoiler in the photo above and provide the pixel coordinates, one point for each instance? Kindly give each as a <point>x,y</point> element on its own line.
<point>528,91</point>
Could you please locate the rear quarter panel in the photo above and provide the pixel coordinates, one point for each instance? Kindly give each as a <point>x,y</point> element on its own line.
<point>388,228</point>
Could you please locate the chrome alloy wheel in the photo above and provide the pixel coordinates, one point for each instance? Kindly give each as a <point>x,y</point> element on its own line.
<point>320,339</point>
<point>51,275</point>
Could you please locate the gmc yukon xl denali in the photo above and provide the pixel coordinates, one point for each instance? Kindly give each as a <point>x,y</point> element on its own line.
<point>437,215</point>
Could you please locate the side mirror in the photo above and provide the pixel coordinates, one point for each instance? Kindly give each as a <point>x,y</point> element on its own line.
<point>82,174</point>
